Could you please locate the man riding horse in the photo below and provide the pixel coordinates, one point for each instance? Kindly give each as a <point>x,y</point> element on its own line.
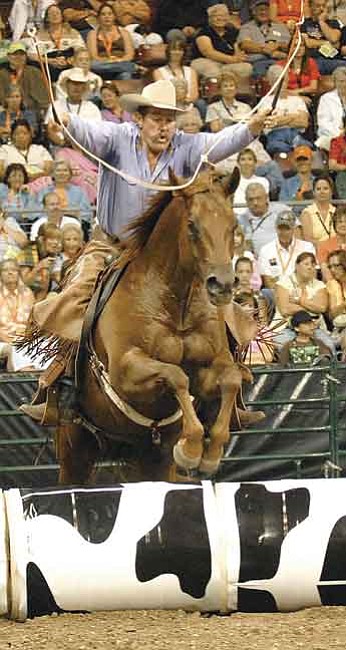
<point>145,149</point>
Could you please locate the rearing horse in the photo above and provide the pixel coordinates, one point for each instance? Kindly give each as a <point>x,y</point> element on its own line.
<point>161,338</point>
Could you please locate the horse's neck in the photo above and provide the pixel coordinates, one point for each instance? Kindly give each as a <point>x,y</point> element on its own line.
<point>167,255</point>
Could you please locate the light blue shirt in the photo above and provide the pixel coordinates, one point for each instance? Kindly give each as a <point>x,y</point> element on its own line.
<point>119,202</point>
<point>261,230</point>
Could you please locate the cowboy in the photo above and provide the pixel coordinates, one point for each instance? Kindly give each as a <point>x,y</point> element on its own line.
<point>146,149</point>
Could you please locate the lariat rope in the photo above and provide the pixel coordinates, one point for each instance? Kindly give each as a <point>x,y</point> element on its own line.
<point>204,159</point>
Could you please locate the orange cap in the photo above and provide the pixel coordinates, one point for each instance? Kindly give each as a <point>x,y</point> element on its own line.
<point>303,151</point>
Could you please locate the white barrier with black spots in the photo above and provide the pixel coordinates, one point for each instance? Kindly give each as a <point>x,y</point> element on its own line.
<point>253,547</point>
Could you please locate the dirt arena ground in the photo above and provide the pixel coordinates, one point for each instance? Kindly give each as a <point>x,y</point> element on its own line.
<point>311,629</point>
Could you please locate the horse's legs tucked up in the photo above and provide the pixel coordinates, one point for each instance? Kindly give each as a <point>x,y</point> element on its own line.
<point>77,451</point>
<point>225,375</point>
<point>141,373</point>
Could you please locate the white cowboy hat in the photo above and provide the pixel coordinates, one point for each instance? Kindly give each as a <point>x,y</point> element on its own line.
<point>160,94</point>
<point>74,74</point>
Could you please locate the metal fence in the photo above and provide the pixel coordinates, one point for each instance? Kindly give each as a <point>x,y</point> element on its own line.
<point>303,435</point>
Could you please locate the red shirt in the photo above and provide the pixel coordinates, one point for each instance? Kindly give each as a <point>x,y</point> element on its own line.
<point>338,149</point>
<point>300,80</point>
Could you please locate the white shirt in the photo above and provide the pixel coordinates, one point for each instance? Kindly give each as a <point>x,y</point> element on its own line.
<point>23,15</point>
<point>239,196</point>
<point>278,262</point>
<point>329,115</point>
<point>85,110</point>
<point>286,106</point>
<point>35,156</point>
<point>36,226</point>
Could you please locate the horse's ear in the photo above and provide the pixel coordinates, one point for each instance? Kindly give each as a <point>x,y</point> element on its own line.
<point>231,183</point>
<point>173,179</point>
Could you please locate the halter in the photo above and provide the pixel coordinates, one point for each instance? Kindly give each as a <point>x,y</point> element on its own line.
<point>204,158</point>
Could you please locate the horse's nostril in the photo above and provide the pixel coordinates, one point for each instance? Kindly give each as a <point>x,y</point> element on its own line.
<point>213,285</point>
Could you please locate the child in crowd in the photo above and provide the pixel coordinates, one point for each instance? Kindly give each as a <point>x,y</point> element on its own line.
<point>305,348</point>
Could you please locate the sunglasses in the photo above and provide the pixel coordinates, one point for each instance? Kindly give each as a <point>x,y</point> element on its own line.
<point>334,266</point>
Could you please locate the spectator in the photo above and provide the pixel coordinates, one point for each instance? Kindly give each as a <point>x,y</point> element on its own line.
<point>317,219</point>
<point>216,46</point>
<point>258,351</point>
<point>246,277</point>
<point>111,109</point>
<point>80,14</point>
<point>14,109</point>
<point>277,258</point>
<point>15,195</point>
<point>72,199</point>
<point>72,242</point>
<point>41,262</point>
<point>128,12</point>
<point>81,60</point>
<point>336,288</point>
<point>26,14</point>
<point>299,186</point>
<point>181,89</point>
<point>185,15</point>
<point>335,243</point>
<point>35,158</point>
<point>227,110</point>
<point>110,47</point>
<point>263,40</point>
<point>247,162</point>
<point>337,161</point>
<point>322,37</point>
<point>285,12</point>
<point>57,40</point>
<point>305,348</point>
<point>176,50</point>
<point>17,72</point>
<point>302,291</point>
<point>12,237</point>
<point>75,85</point>
<point>55,215</point>
<point>190,121</point>
<point>16,301</point>
<point>303,74</point>
<point>288,121</point>
<point>330,111</point>
<point>258,221</point>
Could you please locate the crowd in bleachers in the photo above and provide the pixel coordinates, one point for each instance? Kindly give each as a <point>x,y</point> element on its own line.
<point>223,57</point>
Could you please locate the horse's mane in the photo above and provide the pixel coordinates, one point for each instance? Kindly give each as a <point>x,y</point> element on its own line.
<point>139,231</point>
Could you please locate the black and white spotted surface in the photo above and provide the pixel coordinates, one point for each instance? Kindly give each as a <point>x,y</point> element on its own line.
<point>259,547</point>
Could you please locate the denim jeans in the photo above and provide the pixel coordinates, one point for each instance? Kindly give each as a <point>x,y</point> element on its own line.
<point>288,334</point>
<point>327,66</point>
<point>114,70</point>
<point>284,140</point>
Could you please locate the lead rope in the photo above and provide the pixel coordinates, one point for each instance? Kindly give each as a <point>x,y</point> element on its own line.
<point>204,159</point>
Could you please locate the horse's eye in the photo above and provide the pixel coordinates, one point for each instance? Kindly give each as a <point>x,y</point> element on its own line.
<point>193,230</point>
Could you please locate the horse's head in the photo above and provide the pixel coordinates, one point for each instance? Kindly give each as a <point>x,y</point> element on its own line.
<point>209,232</point>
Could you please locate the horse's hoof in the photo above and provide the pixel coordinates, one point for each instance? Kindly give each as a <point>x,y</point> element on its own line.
<point>250,417</point>
<point>186,462</point>
<point>209,467</point>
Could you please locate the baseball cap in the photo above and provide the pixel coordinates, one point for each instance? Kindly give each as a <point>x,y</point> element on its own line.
<point>303,151</point>
<point>301,317</point>
<point>18,46</point>
<point>286,218</point>
<point>256,3</point>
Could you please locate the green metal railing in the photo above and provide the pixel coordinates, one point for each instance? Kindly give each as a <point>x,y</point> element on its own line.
<point>330,399</point>
<point>328,402</point>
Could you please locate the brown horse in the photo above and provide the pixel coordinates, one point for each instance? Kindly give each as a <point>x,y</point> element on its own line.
<point>161,338</point>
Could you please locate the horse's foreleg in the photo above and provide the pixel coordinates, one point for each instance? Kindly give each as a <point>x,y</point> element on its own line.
<point>140,374</point>
<point>77,451</point>
<point>227,377</point>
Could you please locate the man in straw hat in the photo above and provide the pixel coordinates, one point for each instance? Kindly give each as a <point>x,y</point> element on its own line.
<point>146,150</point>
